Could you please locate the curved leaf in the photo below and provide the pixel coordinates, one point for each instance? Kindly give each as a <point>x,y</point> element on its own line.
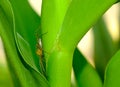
<point>86,75</point>
<point>26,51</point>
<point>104,47</point>
<point>80,17</point>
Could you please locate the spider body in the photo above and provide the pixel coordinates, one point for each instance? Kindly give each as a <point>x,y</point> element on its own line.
<point>39,50</point>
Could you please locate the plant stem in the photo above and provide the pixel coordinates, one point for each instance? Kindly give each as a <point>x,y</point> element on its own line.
<point>59,68</point>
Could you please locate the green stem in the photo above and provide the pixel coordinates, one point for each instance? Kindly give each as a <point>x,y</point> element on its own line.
<point>80,16</point>
<point>52,15</point>
<point>59,68</point>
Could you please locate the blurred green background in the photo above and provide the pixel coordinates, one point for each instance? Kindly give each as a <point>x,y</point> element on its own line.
<point>86,45</point>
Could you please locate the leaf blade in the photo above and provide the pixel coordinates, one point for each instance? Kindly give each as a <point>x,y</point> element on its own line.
<point>86,75</point>
<point>26,25</point>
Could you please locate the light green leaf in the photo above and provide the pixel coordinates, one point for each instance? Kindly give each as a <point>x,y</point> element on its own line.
<point>26,51</point>
<point>80,17</point>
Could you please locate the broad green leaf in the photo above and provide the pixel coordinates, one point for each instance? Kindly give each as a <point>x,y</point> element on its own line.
<point>104,47</point>
<point>23,75</point>
<point>112,73</point>
<point>86,75</point>
<point>26,24</point>
<point>80,17</point>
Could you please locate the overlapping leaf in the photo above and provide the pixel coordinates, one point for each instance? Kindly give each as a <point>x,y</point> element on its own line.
<point>26,24</point>
<point>104,47</point>
<point>23,74</point>
<point>85,74</point>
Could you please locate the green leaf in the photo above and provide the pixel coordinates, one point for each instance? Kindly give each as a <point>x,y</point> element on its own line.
<point>104,47</point>
<point>86,75</point>
<point>80,17</point>
<point>26,24</point>
<point>23,75</point>
<point>26,51</point>
<point>112,73</point>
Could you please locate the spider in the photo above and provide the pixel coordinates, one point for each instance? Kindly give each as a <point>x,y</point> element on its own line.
<point>39,52</point>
